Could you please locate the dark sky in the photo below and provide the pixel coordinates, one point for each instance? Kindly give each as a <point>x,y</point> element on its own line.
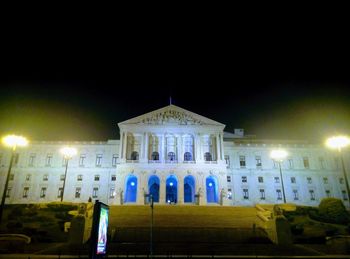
<point>75,77</point>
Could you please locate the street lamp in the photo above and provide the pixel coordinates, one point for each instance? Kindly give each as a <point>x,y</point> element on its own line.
<point>151,237</point>
<point>13,142</point>
<point>278,155</point>
<point>339,142</point>
<point>68,153</point>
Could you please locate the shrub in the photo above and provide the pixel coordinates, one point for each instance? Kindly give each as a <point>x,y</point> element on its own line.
<point>331,231</point>
<point>61,207</point>
<point>297,229</point>
<point>13,225</point>
<point>333,210</point>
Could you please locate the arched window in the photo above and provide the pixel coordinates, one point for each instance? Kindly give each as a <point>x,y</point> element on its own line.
<point>171,189</point>
<point>188,156</point>
<point>189,189</point>
<point>171,156</point>
<point>134,155</point>
<point>155,155</point>
<point>153,187</point>
<point>211,185</point>
<point>207,156</point>
<point>130,189</point>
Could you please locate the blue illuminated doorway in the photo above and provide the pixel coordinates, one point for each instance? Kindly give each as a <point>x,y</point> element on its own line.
<point>130,189</point>
<point>153,187</point>
<point>189,189</point>
<point>171,190</point>
<point>211,184</point>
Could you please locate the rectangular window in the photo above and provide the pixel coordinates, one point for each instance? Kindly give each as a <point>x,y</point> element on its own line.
<point>312,195</point>
<point>296,195</point>
<point>345,196</point>
<point>275,164</point>
<point>277,179</point>
<point>80,177</point>
<point>64,161</point>
<point>328,193</point>
<point>112,192</point>
<point>336,162</point>
<point>113,178</point>
<point>242,161</point>
<point>43,192</point>
<point>321,161</point>
<point>62,177</point>
<point>279,194</point>
<point>309,180</point>
<point>48,160</point>
<point>28,176</point>
<point>8,192</point>
<point>98,160</point>
<point>31,159</point>
<point>245,194</point>
<point>258,161</point>
<point>293,180</point>
<point>114,160</point>
<point>25,192</point>
<point>60,191</point>
<point>95,192</point>
<point>12,176</point>
<point>16,159</point>
<point>325,180</point>
<point>227,160</point>
<point>228,178</point>
<point>229,193</point>
<point>244,179</point>
<point>306,162</point>
<point>290,163</point>
<point>46,177</point>
<point>260,179</point>
<point>82,160</point>
<point>262,194</point>
<point>77,192</point>
<point>97,177</point>
<point>341,180</point>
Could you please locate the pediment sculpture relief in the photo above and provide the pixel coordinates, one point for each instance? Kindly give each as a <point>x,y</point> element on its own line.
<point>171,117</point>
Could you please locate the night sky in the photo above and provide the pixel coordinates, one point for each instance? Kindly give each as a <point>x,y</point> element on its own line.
<point>75,80</point>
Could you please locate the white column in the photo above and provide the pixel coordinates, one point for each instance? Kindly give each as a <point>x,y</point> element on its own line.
<point>222,146</point>
<point>162,190</point>
<point>142,155</point>
<point>162,156</point>
<point>121,139</point>
<point>180,190</point>
<point>218,153</point>
<point>125,144</point>
<point>140,190</point>
<point>181,155</point>
<point>146,146</point>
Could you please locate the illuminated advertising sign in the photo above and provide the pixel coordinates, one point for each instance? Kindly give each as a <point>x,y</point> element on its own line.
<point>98,246</point>
<point>102,231</point>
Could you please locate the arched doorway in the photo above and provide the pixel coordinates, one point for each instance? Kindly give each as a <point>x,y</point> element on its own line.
<point>153,187</point>
<point>131,189</point>
<point>189,189</point>
<point>171,189</point>
<point>211,185</point>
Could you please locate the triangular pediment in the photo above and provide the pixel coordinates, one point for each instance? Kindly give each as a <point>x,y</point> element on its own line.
<point>171,115</point>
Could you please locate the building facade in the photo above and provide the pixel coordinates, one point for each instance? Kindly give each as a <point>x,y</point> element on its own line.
<point>177,157</point>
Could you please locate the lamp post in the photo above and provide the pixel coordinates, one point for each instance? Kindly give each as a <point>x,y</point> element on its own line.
<point>279,155</point>
<point>68,153</point>
<point>340,142</point>
<point>151,235</point>
<point>13,142</point>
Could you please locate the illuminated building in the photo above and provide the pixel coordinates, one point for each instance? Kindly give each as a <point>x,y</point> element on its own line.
<point>180,158</point>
